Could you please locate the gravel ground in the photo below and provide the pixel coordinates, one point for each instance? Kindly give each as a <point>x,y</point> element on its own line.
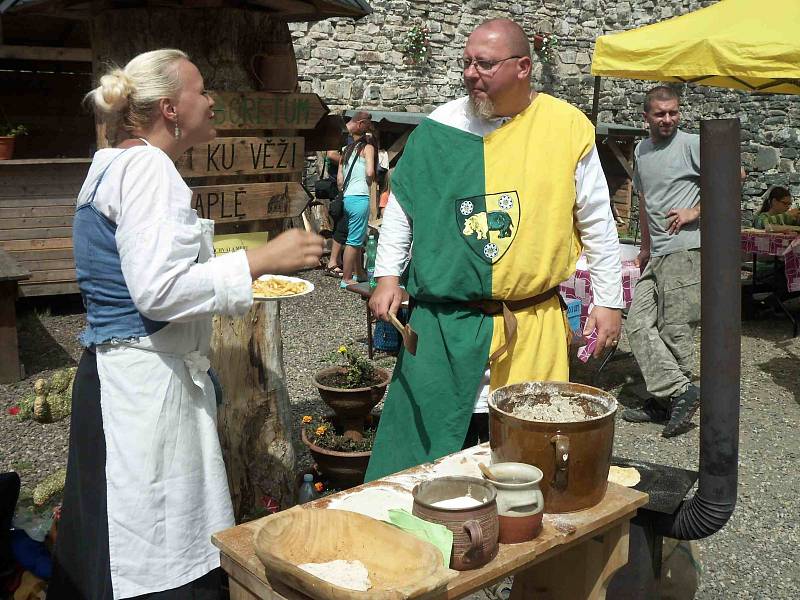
<point>756,555</point>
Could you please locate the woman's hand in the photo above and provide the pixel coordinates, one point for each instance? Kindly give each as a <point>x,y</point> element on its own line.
<point>289,252</point>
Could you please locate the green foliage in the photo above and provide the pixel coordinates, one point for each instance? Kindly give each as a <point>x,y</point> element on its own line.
<point>549,48</point>
<point>51,399</point>
<point>417,46</point>
<point>358,371</point>
<point>321,432</point>
<point>12,130</point>
<point>52,486</point>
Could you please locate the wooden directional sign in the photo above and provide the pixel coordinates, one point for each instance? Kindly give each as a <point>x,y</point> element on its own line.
<point>244,156</point>
<point>265,110</point>
<point>248,202</point>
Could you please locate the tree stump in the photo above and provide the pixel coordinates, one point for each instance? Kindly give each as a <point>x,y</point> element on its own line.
<point>254,422</point>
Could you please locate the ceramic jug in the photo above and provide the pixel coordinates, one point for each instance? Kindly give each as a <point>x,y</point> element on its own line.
<point>520,504</point>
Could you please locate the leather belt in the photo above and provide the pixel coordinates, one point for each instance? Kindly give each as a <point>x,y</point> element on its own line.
<point>508,307</point>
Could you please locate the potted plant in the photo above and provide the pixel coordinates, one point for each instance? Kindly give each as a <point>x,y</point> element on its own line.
<point>352,388</point>
<point>341,461</point>
<point>7,134</point>
<point>341,444</point>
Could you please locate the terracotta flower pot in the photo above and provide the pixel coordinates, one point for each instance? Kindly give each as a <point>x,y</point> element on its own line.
<point>6,147</point>
<point>343,470</point>
<point>538,41</point>
<point>352,405</point>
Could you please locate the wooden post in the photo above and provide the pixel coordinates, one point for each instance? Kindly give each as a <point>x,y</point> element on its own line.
<point>253,423</point>
<point>11,273</point>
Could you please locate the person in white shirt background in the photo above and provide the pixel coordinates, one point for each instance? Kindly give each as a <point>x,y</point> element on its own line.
<point>146,484</point>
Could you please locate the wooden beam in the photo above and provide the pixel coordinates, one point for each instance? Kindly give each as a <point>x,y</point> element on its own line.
<point>612,144</point>
<point>244,156</point>
<point>266,110</point>
<point>45,53</point>
<point>248,202</point>
<point>398,145</point>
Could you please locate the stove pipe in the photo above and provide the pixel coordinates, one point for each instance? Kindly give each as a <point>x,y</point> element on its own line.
<point>720,348</point>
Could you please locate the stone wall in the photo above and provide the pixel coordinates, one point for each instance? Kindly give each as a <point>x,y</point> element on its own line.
<point>352,64</point>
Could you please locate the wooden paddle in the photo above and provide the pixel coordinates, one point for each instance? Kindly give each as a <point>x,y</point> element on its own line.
<point>408,334</point>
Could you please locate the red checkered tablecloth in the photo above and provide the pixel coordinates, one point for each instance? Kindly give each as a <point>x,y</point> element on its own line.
<point>787,245</point>
<point>580,286</point>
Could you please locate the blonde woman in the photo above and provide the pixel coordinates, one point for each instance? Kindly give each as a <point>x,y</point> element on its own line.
<point>146,484</point>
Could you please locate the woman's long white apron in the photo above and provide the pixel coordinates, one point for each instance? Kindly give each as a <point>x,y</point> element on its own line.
<point>166,482</point>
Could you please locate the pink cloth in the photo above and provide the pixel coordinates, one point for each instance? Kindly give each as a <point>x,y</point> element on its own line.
<point>580,286</point>
<point>786,245</point>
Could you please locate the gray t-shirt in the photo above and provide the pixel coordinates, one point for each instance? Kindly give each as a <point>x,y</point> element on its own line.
<point>668,174</point>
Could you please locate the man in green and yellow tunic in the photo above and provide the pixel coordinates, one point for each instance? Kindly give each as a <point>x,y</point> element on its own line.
<point>499,192</point>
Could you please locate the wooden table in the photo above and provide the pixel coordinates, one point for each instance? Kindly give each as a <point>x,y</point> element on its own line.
<point>574,557</point>
<point>11,273</point>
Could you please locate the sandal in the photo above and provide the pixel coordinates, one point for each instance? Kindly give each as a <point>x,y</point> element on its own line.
<point>333,272</point>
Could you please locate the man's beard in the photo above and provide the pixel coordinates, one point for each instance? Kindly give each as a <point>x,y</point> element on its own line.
<point>483,108</point>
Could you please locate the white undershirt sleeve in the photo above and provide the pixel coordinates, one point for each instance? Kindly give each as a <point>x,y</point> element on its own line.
<point>598,231</point>
<point>159,241</point>
<point>394,243</point>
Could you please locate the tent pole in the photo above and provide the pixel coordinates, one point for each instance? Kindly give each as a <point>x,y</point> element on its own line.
<point>595,100</point>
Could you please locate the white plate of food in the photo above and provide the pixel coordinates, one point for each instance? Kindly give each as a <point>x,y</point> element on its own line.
<point>280,287</point>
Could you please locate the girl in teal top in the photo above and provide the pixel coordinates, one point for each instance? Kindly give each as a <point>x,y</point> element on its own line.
<point>775,209</point>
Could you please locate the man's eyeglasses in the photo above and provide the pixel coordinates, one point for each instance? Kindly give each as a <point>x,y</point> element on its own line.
<point>484,66</point>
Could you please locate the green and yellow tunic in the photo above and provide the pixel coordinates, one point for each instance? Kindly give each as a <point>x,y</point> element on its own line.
<point>493,218</point>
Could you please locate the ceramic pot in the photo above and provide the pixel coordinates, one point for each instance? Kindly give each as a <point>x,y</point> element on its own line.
<point>520,504</point>
<point>574,456</point>
<point>475,529</point>
<point>342,470</point>
<point>352,405</point>
<point>6,147</point>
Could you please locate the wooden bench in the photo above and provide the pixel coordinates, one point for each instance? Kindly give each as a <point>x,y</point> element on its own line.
<point>11,273</point>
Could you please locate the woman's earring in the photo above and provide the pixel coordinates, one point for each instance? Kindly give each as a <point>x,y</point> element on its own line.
<point>177,131</point>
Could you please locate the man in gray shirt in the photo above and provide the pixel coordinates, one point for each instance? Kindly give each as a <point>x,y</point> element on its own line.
<point>666,302</point>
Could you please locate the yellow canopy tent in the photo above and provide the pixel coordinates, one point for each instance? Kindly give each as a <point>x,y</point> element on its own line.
<point>743,44</point>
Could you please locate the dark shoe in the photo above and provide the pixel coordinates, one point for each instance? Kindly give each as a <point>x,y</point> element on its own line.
<point>650,412</point>
<point>683,408</point>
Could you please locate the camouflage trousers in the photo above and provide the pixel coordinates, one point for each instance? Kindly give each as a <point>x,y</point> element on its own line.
<point>663,319</point>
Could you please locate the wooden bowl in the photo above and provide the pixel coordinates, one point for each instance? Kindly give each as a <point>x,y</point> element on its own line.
<point>400,565</point>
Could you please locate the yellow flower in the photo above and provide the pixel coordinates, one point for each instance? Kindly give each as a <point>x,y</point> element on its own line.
<point>319,486</point>
<point>321,430</point>
<point>307,419</point>
<point>342,349</point>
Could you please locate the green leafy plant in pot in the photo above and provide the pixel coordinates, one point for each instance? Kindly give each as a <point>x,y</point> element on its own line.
<point>8,133</point>
<point>352,388</point>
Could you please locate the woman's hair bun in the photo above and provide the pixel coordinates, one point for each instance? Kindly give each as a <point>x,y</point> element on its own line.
<point>114,91</point>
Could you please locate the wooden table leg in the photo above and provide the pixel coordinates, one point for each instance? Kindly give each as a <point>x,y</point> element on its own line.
<point>583,572</point>
<point>239,592</point>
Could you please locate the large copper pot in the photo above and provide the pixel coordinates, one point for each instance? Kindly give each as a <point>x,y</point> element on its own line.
<point>574,456</point>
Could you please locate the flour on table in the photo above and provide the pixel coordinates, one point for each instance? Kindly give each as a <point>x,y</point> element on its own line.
<point>349,574</point>
<point>374,502</point>
<point>459,465</point>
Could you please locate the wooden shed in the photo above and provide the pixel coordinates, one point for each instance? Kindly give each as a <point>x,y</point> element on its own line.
<point>49,50</point>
